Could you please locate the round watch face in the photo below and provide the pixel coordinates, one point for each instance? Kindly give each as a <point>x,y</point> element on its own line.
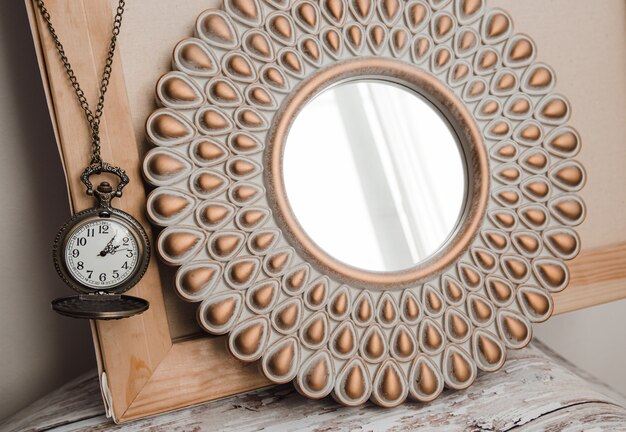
<point>101,253</point>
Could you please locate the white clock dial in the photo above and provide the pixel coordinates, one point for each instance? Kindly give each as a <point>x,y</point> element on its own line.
<point>101,254</point>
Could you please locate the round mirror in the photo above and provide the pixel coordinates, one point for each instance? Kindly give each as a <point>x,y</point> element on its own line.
<point>374,175</point>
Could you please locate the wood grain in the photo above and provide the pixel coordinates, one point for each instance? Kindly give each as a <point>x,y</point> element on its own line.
<point>597,276</point>
<point>542,393</point>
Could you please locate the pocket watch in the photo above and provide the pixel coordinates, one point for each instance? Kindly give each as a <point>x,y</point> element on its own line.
<point>101,253</point>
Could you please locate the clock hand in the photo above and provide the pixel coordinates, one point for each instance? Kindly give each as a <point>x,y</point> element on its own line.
<point>118,250</point>
<point>108,248</point>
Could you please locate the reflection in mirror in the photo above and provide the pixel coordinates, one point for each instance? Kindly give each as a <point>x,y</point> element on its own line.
<point>374,175</point>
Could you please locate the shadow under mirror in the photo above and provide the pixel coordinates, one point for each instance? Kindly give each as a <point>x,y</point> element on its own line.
<point>375,175</point>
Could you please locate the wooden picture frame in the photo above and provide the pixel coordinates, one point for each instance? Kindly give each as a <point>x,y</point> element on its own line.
<point>143,369</point>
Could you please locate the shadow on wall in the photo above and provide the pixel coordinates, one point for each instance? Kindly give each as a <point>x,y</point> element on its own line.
<point>39,349</point>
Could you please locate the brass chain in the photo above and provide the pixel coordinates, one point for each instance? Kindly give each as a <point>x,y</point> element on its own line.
<point>92,117</point>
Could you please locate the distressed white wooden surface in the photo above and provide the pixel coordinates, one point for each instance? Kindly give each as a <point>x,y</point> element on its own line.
<point>535,390</point>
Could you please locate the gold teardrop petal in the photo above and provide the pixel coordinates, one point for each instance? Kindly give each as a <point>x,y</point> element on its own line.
<point>280,364</point>
<point>374,345</point>
<point>241,271</point>
<point>194,280</point>
<point>570,175</point>
<point>489,349</point>
<point>570,209</point>
<point>246,8</point>
<point>288,316</point>
<point>315,332</point>
<point>461,370</point>
<point>274,77</point>
<point>218,314</point>
<point>458,326</point>
<point>218,28</point>
<point>453,290</point>
<point>378,35</point>
<point>388,311</point>
<point>317,294</point>
<point>307,14</point>
<point>244,193</point>
<point>209,151</point>
<point>427,381</point>
<point>166,205</point>
<point>417,14</point>
<point>178,89</point>
<point>311,49</point>
<point>432,337</point>
<point>292,61</point>
<point>391,384</point>
<point>196,57</point>
<point>259,45</point>
<point>242,142</point>
<point>335,9</point>
<point>555,109</point>
<point>541,77</point>
<point>535,216</point>
<point>522,49</point>
<point>468,39</point>
<point>443,25</point>
<point>481,309</point>
<point>296,280</point>
<point>498,25</point>
<point>496,240</point>
<point>208,182</point>
<point>538,303</point>
<point>333,40</point>
<point>317,376</point>
<point>281,26</point>
<point>404,344</point>
<point>411,308</point>
<point>354,386</point>
<point>261,97</point>
<point>362,7</point>
<point>566,141</point>
<point>344,341</point>
<point>250,118</point>
<point>248,340</point>
<point>222,90</point>
<point>263,295</point>
<point>515,328</point>
<point>242,167</point>
<point>177,244</point>
<point>501,291</point>
<point>364,310</point>
<point>528,243</point>
<point>215,213</point>
<point>169,127</point>
<point>340,304</point>
<point>552,274</point>
<point>516,267</point>
<point>224,245</point>
<point>488,59</point>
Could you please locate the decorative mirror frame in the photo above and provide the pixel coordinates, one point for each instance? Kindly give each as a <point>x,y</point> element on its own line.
<point>308,318</point>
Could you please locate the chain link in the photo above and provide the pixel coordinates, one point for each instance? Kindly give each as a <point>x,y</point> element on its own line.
<point>93,117</point>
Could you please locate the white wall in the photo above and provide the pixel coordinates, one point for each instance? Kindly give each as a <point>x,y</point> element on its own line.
<point>39,349</point>
<point>594,339</point>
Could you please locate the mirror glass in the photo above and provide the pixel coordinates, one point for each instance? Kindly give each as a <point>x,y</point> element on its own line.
<point>374,174</point>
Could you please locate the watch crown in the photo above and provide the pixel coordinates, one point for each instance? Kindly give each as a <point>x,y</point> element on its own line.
<point>105,187</point>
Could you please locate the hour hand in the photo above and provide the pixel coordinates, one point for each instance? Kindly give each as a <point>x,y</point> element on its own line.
<point>108,248</point>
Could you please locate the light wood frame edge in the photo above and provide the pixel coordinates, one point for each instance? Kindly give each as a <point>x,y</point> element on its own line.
<point>147,372</point>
